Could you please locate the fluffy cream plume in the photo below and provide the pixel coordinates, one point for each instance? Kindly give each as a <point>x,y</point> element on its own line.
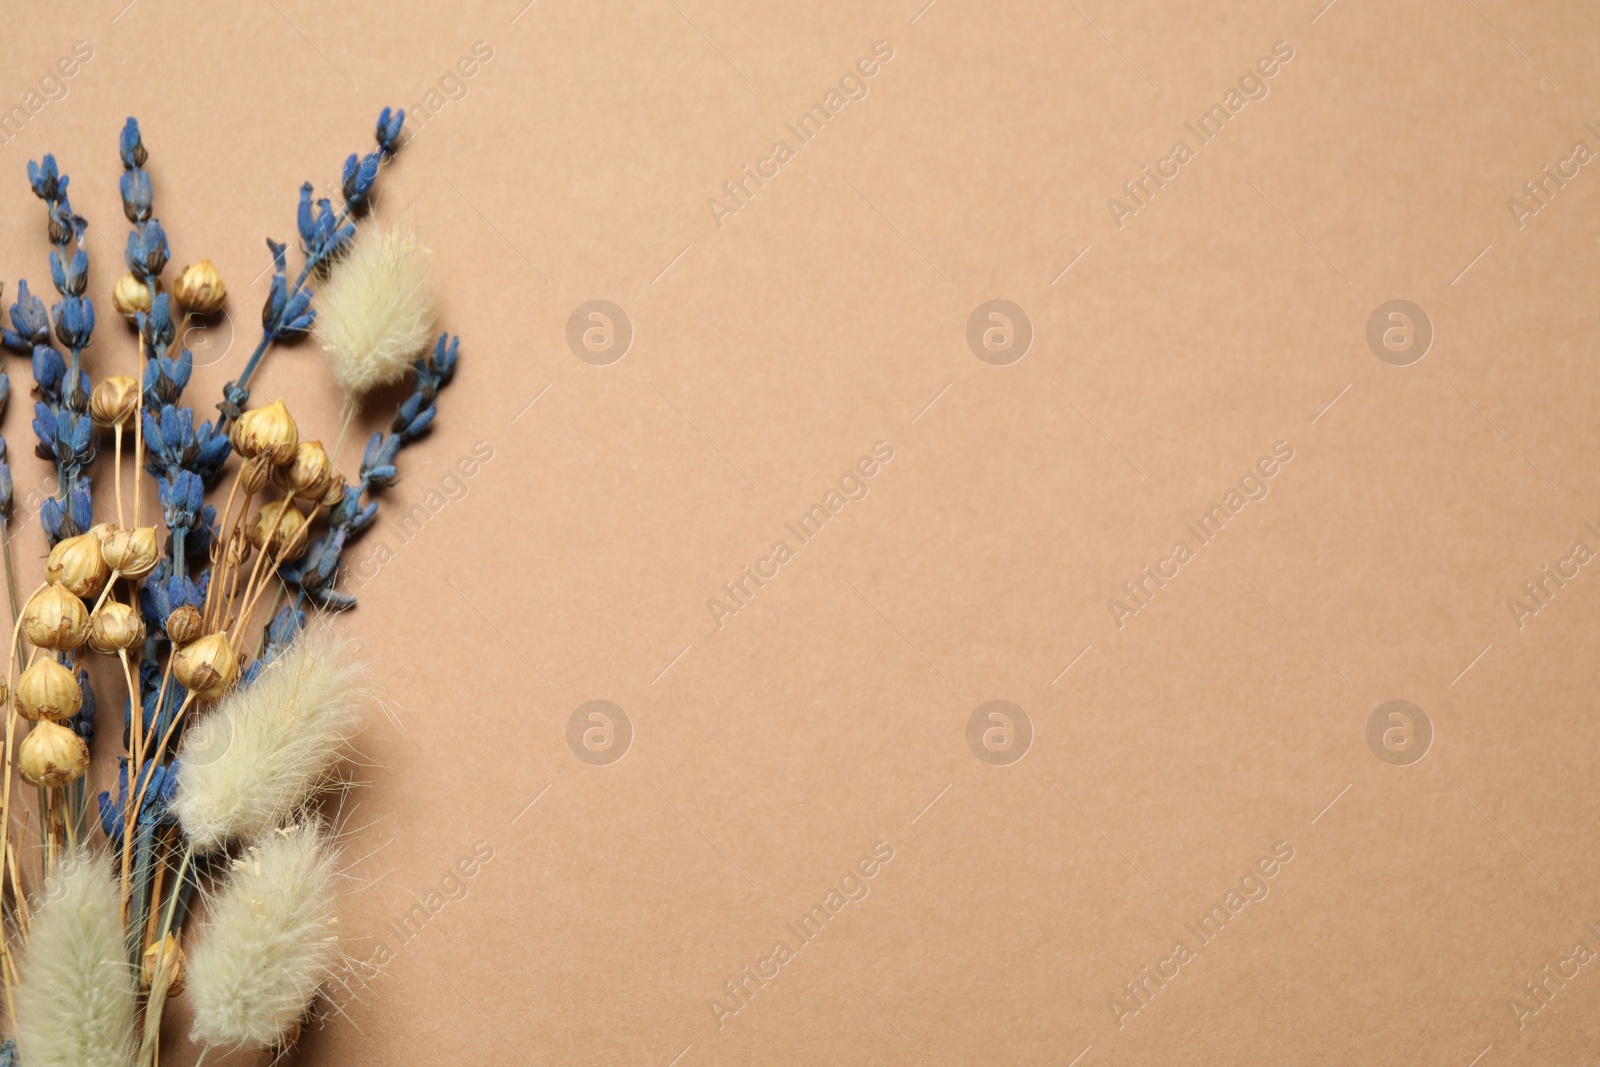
<point>75,1003</point>
<point>268,941</point>
<point>375,314</point>
<point>245,768</point>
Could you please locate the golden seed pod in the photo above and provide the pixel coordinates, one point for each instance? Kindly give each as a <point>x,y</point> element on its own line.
<point>52,756</point>
<point>288,534</point>
<point>47,690</point>
<point>184,624</point>
<point>268,431</point>
<point>130,296</point>
<point>131,553</point>
<point>253,476</point>
<point>114,401</point>
<point>76,563</point>
<point>169,956</point>
<point>199,288</point>
<point>309,474</point>
<point>207,667</point>
<point>55,619</point>
<point>238,549</point>
<point>114,628</point>
<point>335,493</point>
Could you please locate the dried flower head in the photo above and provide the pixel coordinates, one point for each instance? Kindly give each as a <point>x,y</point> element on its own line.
<point>255,472</point>
<point>238,547</point>
<point>377,309</point>
<point>55,619</point>
<point>267,431</point>
<point>47,690</point>
<point>184,624</point>
<point>114,400</point>
<point>52,756</point>
<point>130,296</point>
<point>75,1003</point>
<point>279,527</point>
<point>115,627</point>
<point>199,288</point>
<point>269,744</point>
<point>207,667</point>
<point>268,942</point>
<point>309,476</point>
<point>168,956</point>
<point>131,553</point>
<point>77,564</point>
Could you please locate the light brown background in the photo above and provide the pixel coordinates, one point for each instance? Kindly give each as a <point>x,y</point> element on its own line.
<point>831,713</point>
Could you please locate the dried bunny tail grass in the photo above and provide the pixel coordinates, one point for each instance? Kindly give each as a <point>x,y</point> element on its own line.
<point>75,1002</point>
<point>249,765</point>
<point>268,942</point>
<point>376,310</point>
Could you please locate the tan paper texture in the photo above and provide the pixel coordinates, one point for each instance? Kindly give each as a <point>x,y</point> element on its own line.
<point>1197,381</point>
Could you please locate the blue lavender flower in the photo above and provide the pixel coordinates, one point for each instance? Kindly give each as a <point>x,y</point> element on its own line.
<point>6,490</point>
<point>74,321</point>
<point>74,444</point>
<point>137,195</point>
<point>317,572</point>
<point>160,786</point>
<point>283,315</point>
<point>131,146</point>
<point>136,191</point>
<point>321,235</point>
<point>82,723</point>
<point>68,518</point>
<point>61,422</point>
<point>360,175</point>
<point>156,326</point>
<point>49,373</point>
<point>171,440</point>
<point>47,182</point>
<point>182,497</point>
<point>287,312</point>
<point>73,276</point>
<point>167,592</point>
<point>388,133</point>
<point>30,322</point>
<point>147,250</point>
<point>279,634</point>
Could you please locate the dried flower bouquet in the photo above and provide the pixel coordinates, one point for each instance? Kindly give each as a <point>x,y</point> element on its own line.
<point>230,732</point>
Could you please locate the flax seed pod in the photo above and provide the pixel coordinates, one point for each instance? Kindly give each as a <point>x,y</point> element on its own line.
<point>199,289</point>
<point>115,400</point>
<point>55,619</point>
<point>77,564</point>
<point>131,553</point>
<point>52,756</point>
<point>309,475</point>
<point>268,431</point>
<point>207,667</point>
<point>47,690</point>
<point>115,627</point>
<point>273,535</point>
<point>130,296</point>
